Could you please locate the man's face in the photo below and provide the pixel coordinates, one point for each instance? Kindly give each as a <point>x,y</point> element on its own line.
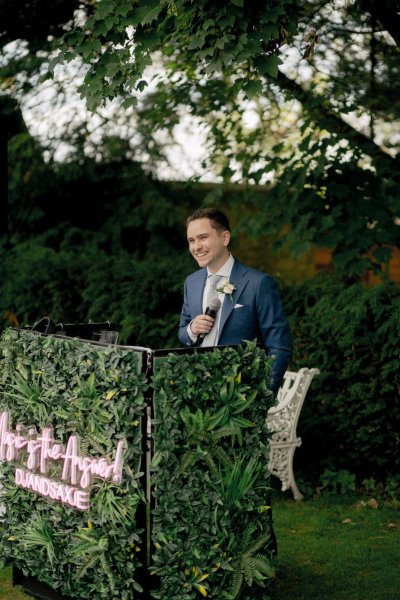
<point>208,246</point>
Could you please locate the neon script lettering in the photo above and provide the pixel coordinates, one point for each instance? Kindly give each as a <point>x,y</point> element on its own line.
<point>52,489</point>
<point>38,450</point>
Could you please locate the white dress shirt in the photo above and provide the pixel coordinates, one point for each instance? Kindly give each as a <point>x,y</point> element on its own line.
<point>225,271</point>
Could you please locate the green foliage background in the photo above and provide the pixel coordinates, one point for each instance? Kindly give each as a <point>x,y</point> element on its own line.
<point>332,152</point>
<point>351,417</point>
<point>99,241</point>
<point>232,37</point>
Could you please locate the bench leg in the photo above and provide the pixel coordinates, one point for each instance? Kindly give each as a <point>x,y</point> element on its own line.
<point>281,465</point>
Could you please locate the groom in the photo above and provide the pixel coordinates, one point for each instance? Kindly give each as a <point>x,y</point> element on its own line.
<point>251,307</point>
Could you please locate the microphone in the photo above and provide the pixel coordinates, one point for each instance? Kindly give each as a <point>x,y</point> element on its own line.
<point>213,307</point>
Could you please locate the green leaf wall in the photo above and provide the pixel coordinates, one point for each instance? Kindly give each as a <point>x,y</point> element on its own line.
<point>211,487</point>
<point>210,529</point>
<point>97,393</point>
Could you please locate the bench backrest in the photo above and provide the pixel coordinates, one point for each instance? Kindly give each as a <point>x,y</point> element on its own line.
<point>282,419</point>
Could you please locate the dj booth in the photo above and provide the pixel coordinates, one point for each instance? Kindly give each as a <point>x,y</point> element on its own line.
<point>130,472</point>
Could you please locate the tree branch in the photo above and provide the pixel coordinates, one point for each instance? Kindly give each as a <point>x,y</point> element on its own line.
<point>332,121</point>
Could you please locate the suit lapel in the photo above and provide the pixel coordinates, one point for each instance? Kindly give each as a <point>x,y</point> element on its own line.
<point>239,280</point>
<point>198,290</point>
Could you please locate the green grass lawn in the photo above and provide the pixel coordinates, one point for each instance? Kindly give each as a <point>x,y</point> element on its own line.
<point>7,591</point>
<point>328,549</point>
<point>337,550</point>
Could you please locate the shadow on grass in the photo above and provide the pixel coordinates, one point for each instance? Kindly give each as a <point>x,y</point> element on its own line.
<point>299,582</point>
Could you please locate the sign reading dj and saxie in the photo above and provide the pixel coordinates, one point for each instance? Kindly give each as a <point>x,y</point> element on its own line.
<point>52,469</point>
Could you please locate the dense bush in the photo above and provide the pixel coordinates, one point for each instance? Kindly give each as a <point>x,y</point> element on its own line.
<point>93,241</point>
<point>83,282</point>
<point>351,417</point>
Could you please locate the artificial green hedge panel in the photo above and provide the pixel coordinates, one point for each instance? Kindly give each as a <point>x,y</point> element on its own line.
<point>211,521</point>
<point>77,404</point>
<point>98,394</point>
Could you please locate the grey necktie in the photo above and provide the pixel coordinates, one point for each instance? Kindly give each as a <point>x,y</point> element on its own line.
<point>211,338</point>
<point>212,290</point>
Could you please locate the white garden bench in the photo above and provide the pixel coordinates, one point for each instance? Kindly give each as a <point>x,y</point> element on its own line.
<point>282,422</point>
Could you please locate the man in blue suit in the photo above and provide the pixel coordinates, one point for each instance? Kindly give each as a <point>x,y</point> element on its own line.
<point>251,306</point>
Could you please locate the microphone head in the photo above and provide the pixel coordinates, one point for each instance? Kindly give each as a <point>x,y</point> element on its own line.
<point>214,304</point>
<point>213,307</point>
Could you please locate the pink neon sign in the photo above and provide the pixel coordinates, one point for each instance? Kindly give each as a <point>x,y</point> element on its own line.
<point>37,451</point>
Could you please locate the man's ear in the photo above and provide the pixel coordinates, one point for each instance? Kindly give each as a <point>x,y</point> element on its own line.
<point>226,237</point>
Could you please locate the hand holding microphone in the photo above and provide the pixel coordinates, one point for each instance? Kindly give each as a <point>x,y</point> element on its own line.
<point>201,326</point>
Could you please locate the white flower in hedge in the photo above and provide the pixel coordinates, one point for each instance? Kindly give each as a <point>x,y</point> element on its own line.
<point>226,288</point>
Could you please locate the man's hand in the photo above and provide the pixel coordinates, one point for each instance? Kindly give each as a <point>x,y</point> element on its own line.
<point>201,324</point>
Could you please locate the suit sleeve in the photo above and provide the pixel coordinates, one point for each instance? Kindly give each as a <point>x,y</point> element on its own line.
<point>186,318</point>
<point>274,328</point>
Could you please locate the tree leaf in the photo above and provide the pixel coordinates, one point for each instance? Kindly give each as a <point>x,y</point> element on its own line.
<point>253,88</point>
<point>269,65</point>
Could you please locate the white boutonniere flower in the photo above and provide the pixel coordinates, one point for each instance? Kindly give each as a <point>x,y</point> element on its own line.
<point>226,288</point>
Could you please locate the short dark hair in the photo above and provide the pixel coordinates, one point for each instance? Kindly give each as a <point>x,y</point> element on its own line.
<point>219,220</point>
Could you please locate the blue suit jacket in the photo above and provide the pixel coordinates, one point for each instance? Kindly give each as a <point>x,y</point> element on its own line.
<point>260,315</point>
